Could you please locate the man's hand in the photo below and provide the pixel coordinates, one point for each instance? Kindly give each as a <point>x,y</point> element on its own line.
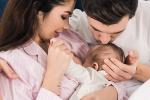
<point>118,71</point>
<point>4,67</point>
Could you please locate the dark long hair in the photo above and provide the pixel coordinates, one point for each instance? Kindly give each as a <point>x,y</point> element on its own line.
<point>19,21</point>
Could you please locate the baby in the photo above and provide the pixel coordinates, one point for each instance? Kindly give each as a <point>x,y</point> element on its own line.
<point>90,75</point>
<point>98,53</point>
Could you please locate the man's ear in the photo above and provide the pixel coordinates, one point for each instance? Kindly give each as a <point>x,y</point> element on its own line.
<point>95,66</point>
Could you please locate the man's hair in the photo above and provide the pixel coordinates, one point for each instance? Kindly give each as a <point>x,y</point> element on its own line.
<point>109,11</point>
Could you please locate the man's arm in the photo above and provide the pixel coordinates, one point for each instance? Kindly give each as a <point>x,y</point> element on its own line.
<point>142,72</point>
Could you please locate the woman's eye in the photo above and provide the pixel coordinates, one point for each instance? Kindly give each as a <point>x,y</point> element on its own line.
<point>64,17</point>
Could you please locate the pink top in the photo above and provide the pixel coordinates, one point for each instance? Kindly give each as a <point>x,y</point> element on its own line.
<point>29,62</point>
<point>77,44</point>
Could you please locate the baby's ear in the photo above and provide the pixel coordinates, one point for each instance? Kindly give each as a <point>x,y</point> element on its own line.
<point>95,66</point>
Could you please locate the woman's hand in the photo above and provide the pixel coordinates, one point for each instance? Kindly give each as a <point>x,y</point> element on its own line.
<point>6,69</point>
<point>118,71</point>
<point>58,60</point>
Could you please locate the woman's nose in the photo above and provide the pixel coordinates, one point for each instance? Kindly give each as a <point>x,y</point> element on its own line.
<point>66,25</point>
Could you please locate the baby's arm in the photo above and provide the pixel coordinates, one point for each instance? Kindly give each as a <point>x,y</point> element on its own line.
<point>80,73</point>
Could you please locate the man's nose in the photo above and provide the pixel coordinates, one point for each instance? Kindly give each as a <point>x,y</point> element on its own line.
<point>104,38</point>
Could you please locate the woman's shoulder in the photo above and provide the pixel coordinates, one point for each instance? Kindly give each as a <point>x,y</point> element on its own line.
<point>21,61</point>
<point>14,53</point>
<point>9,53</point>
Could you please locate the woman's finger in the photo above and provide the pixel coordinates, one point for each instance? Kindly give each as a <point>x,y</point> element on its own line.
<point>56,42</point>
<point>7,70</point>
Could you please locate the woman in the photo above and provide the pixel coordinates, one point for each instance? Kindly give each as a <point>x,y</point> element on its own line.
<point>24,27</point>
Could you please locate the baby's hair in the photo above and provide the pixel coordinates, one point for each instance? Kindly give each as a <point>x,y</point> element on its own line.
<point>96,54</point>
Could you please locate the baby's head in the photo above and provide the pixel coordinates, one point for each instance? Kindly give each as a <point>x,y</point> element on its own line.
<point>96,56</point>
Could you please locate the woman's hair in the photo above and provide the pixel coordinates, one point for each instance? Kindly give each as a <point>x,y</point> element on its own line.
<point>109,11</point>
<point>19,21</point>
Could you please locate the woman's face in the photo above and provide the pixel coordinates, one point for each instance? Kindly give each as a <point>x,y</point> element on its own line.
<point>54,22</point>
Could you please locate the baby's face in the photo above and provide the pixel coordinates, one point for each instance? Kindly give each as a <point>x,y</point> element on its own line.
<point>101,55</point>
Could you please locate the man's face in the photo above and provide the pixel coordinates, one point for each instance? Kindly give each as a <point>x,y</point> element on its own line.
<point>106,33</point>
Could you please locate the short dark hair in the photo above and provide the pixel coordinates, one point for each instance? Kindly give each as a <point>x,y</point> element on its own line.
<point>19,21</point>
<point>109,11</point>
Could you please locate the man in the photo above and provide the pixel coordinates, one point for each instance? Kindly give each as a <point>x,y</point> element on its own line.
<point>113,21</point>
<point>123,23</point>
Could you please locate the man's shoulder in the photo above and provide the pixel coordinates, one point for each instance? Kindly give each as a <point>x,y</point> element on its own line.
<point>143,8</point>
<point>78,12</point>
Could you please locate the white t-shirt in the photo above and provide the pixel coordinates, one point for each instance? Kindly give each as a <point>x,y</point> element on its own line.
<point>135,37</point>
<point>89,80</point>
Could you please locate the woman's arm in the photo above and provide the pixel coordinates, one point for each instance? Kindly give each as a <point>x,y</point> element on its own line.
<point>108,93</point>
<point>45,94</point>
<point>59,57</point>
